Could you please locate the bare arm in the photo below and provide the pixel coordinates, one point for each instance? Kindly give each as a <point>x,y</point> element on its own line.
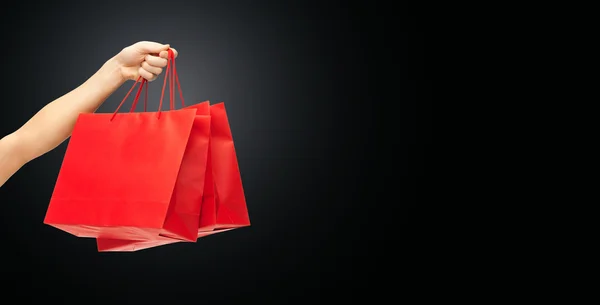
<point>54,123</point>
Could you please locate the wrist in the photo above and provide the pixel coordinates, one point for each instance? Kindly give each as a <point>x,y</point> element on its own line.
<point>112,72</point>
<point>106,80</point>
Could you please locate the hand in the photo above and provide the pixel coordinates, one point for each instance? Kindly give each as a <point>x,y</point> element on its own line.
<point>145,58</point>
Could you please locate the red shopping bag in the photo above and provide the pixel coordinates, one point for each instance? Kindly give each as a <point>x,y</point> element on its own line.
<point>223,204</point>
<point>122,175</point>
<point>218,213</point>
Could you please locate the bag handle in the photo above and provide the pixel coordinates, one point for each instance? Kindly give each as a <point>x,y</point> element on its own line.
<point>172,80</point>
<point>128,93</point>
<point>135,100</point>
<point>173,77</point>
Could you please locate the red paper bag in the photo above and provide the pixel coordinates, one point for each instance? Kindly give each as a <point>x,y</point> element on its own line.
<point>127,245</point>
<point>182,218</point>
<point>121,177</point>
<point>219,213</point>
<point>224,202</point>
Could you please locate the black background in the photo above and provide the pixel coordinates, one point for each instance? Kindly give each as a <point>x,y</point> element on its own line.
<point>328,105</point>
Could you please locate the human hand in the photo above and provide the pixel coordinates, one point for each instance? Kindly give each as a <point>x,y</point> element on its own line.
<point>145,58</point>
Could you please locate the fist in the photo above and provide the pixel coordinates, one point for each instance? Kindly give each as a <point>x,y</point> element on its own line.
<point>145,58</point>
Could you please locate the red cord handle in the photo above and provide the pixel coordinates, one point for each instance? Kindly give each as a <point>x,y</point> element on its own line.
<point>173,77</point>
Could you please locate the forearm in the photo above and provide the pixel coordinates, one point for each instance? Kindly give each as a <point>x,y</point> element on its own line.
<point>54,123</point>
<point>10,160</point>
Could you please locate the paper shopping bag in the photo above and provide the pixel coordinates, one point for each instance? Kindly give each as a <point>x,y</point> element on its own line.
<point>218,213</point>
<point>121,176</point>
<point>192,166</point>
<point>184,211</point>
<point>117,176</point>
<point>224,202</point>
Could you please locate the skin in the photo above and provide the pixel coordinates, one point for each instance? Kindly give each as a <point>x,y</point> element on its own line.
<point>54,123</point>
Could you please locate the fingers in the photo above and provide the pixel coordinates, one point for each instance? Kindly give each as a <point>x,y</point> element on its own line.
<point>146,74</point>
<point>153,65</point>
<point>150,47</point>
<point>152,69</point>
<point>165,54</point>
<point>156,61</point>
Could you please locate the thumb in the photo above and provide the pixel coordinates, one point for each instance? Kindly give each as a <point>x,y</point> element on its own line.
<point>150,47</point>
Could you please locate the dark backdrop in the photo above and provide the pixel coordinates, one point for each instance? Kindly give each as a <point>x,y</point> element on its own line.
<point>306,85</point>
